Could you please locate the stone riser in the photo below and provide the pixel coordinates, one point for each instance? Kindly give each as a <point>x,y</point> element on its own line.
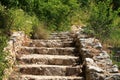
<point>50,51</point>
<point>50,71</point>
<point>44,79</point>
<point>53,61</point>
<point>63,34</point>
<point>49,44</point>
<point>60,38</point>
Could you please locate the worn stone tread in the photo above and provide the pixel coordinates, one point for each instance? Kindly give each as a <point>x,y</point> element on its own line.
<point>42,40</point>
<point>69,48</point>
<point>48,59</point>
<point>34,77</point>
<point>45,50</point>
<point>36,65</point>
<point>49,43</point>
<point>49,70</point>
<point>48,56</point>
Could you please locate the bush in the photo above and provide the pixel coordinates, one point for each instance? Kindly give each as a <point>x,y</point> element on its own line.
<point>19,21</point>
<point>15,20</point>
<point>102,18</point>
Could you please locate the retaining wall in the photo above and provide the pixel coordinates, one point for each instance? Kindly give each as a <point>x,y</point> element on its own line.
<point>14,44</point>
<point>97,64</point>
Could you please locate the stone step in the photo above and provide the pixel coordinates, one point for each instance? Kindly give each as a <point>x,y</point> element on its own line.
<point>45,50</point>
<point>38,77</point>
<point>62,34</point>
<point>60,38</point>
<point>49,70</point>
<point>49,59</point>
<point>48,43</point>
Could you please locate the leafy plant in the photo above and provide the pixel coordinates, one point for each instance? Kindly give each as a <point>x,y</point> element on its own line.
<point>19,21</point>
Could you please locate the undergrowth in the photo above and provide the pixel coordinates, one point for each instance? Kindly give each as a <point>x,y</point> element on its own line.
<point>3,60</point>
<point>115,58</point>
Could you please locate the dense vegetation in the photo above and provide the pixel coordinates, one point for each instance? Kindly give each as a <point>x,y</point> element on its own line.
<point>39,17</point>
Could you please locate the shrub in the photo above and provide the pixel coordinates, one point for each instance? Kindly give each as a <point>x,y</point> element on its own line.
<point>81,17</point>
<point>55,12</point>
<point>19,21</point>
<point>15,20</point>
<point>101,20</point>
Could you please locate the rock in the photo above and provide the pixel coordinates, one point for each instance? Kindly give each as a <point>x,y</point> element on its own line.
<point>114,69</point>
<point>87,53</point>
<point>89,60</point>
<point>92,66</point>
<point>89,41</point>
<point>105,54</point>
<point>102,55</point>
<point>115,76</point>
<point>96,69</point>
<point>98,45</point>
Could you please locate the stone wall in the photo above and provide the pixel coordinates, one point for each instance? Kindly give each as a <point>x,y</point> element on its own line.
<point>14,44</point>
<point>96,62</point>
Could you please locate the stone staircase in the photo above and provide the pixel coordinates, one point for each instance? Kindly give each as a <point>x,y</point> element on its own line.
<point>52,59</point>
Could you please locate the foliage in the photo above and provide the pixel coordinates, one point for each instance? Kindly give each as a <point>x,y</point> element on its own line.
<point>101,20</point>
<point>116,4</point>
<point>54,13</point>
<point>3,16</point>
<point>18,20</point>
<point>14,19</point>
<point>3,40</point>
<point>3,61</point>
<point>114,39</point>
<point>9,3</point>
